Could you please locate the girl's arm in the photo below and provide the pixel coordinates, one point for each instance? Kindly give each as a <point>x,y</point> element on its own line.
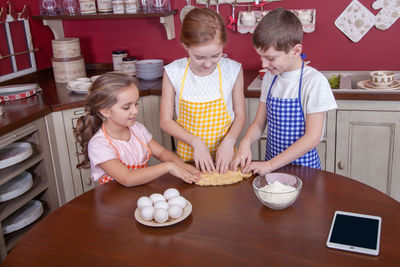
<point>172,164</point>
<point>225,150</point>
<point>311,138</point>
<point>253,133</point>
<point>202,155</point>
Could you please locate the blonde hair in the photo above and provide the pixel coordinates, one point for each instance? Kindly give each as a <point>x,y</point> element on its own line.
<point>280,29</point>
<point>103,94</point>
<point>201,26</point>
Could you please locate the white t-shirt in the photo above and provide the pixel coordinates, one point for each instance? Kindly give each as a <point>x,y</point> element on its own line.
<point>203,88</point>
<point>131,152</point>
<point>316,93</point>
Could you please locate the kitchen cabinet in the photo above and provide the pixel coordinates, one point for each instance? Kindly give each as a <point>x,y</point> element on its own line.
<point>72,181</point>
<point>54,22</point>
<point>44,186</point>
<point>368,144</point>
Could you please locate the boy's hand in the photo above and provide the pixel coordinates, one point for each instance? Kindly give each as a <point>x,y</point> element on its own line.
<point>260,168</point>
<point>242,158</point>
<point>224,155</point>
<point>202,157</point>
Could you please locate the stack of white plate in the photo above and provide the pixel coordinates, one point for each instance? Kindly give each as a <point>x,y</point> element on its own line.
<point>149,69</point>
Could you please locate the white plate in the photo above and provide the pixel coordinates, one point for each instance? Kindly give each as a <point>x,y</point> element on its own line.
<point>24,216</point>
<point>186,211</point>
<point>77,90</point>
<point>150,61</point>
<point>16,186</point>
<point>14,153</point>
<point>367,85</point>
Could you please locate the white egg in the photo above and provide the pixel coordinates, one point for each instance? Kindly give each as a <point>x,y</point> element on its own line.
<point>171,193</point>
<point>144,202</point>
<point>179,200</point>
<point>161,204</point>
<point>156,197</point>
<point>147,213</point>
<point>175,211</point>
<point>161,215</point>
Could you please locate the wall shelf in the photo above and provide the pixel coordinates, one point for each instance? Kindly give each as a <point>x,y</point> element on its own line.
<point>54,22</point>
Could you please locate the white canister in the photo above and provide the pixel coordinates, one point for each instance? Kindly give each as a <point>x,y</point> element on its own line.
<point>104,5</point>
<point>66,48</point>
<point>118,6</point>
<point>117,56</point>
<point>131,6</point>
<point>87,6</point>
<point>129,65</point>
<point>68,69</point>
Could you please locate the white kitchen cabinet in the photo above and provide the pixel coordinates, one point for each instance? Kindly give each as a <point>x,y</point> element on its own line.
<point>44,186</point>
<point>73,181</point>
<point>368,144</point>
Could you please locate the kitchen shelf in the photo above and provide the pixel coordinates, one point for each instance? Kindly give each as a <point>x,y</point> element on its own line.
<point>54,22</point>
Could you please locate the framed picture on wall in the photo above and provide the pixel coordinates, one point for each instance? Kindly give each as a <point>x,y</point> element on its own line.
<point>17,55</point>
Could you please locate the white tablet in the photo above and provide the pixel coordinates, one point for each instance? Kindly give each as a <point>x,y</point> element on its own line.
<point>355,232</point>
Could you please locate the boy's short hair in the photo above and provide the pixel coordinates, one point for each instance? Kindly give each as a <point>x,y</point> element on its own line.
<point>280,29</point>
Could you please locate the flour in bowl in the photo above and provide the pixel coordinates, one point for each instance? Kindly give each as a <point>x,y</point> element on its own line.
<point>278,193</point>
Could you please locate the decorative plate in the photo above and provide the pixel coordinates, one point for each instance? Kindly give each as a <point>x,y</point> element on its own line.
<point>368,85</point>
<point>16,186</point>
<point>186,211</point>
<point>14,153</point>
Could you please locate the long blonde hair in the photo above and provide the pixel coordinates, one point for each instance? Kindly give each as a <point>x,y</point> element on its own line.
<point>103,94</point>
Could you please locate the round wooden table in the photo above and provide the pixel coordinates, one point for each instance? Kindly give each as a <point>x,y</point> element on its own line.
<point>228,226</point>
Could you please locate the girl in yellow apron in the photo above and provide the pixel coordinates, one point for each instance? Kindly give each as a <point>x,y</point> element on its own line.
<point>114,145</point>
<point>205,90</point>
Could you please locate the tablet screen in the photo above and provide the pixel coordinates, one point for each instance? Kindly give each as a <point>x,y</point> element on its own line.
<point>355,232</point>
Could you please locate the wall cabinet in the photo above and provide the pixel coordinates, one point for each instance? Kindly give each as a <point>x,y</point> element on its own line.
<point>72,181</point>
<point>44,186</point>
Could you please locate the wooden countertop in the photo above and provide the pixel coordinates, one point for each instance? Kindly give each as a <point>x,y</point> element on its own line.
<point>55,97</point>
<point>228,226</point>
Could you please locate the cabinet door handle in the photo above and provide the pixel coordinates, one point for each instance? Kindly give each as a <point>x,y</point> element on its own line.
<point>341,165</point>
<point>88,181</point>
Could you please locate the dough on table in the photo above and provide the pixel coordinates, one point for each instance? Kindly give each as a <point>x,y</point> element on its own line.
<point>216,178</point>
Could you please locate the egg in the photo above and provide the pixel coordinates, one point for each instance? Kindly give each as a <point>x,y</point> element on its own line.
<point>147,213</point>
<point>171,193</point>
<point>161,215</point>
<point>161,204</point>
<point>156,197</point>
<point>144,202</point>
<point>175,211</point>
<point>179,200</point>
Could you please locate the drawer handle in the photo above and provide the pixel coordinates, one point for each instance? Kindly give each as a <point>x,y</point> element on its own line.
<point>89,181</point>
<point>341,165</point>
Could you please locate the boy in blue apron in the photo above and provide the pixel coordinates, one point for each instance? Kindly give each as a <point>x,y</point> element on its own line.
<point>294,99</point>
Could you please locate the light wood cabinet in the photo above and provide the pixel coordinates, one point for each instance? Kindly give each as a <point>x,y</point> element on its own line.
<point>44,186</point>
<point>73,181</point>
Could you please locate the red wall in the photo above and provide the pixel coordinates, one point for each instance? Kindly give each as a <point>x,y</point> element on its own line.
<point>326,47</point>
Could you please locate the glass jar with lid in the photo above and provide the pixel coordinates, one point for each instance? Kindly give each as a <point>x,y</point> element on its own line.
<point>129,65</point>
<point>117,56</point>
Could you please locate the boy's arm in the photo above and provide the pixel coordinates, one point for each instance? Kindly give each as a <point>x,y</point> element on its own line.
<point>253,133</point>
<point>311,138</point>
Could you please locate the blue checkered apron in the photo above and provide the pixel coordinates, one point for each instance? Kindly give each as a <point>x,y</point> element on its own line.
<point>286,125</point>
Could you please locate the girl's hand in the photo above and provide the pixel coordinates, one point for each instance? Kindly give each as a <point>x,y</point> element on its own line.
<point>242,158</point>
<point>224,155</point>
<point>186,172</point>
<point>259,167</point>
<point>202,157</point>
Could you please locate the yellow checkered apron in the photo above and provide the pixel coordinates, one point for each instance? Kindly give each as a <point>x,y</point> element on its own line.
<point>208,120</point>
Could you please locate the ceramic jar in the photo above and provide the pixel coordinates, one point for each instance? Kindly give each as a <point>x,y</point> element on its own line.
<point>68,69</point>
<point>129,65</point>
<point>66,48</point>
<point>104,5</point>
<point>131,6</point>
<point>117,56</point>
<point>118,6</point>
<point>88,6</point>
